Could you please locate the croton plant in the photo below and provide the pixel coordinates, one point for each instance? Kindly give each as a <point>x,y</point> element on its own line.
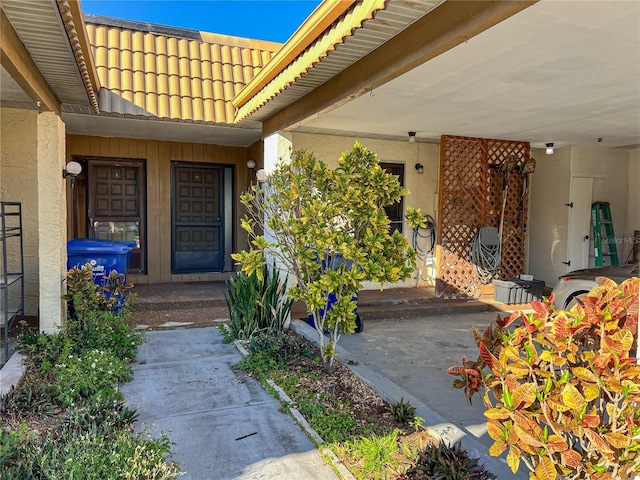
<point>562,387</point>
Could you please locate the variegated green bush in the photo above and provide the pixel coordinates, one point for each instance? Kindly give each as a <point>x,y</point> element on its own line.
<point>328,229</point>
<point>562,388</point>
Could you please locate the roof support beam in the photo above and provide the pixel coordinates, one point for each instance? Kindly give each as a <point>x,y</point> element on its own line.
<point>447,26</point>
<point>15,58</point>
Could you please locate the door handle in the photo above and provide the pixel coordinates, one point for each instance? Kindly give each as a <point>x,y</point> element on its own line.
<point>586,237</point>
<point>568,263</point>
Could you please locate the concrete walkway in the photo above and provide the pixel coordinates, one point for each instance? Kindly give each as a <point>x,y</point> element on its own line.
<point>224,424</point>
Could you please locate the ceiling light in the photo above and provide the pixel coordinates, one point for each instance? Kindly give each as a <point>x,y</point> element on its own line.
<point>549,150</point>
<point>412,137</point>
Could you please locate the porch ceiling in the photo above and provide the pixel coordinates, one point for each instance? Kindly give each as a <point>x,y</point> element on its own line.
<point>561,72</point>
<point>42,32</point>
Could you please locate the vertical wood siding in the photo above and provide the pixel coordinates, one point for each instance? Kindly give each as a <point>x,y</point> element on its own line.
<point>158,156</point>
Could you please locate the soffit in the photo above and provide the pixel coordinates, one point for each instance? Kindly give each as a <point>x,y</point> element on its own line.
<point>42,31</point>
<point>360,31</point>
<point>562,72</point>
<point>166,74</point>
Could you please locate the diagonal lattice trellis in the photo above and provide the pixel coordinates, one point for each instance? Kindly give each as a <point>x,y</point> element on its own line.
<point>471,197</point>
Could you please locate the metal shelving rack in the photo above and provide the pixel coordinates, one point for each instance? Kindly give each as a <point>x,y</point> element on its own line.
<point>12,271</point>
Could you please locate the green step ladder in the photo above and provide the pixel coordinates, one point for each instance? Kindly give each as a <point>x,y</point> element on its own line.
<point>604,244</point>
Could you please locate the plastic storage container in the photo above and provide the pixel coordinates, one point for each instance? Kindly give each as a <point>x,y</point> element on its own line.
<point>103,255</point>
<point>517,291</point>
<point>334,260</point>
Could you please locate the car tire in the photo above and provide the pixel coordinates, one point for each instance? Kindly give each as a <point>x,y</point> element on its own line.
<point>574,299</point>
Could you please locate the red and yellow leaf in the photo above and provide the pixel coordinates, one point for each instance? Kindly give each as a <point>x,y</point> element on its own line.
<point>513,458</point>
<point>618,440</point>
<point>545,470</point>
<point>571,458</point>
<point>497,448</point>
<point>525,394</point>
<point>526,437</point>
<point>599,442</point>
<point>584,374</point>
<point>572,398</point>
<point>497,413</point>
<point>556,443</point>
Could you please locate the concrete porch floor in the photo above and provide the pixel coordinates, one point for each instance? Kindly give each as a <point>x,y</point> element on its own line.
<point>203,304</point>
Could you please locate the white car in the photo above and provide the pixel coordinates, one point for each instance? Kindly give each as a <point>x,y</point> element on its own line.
<point>571,286</point>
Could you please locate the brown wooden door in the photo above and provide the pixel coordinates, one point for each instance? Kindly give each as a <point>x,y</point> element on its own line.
<point>395,212</point>
<point>116,205</point>
<point>198,219</point>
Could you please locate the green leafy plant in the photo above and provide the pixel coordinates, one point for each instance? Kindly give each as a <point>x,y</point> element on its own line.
<point>328,228</point>
<point>377,455</point>
<point>561,387</point>
<point>446,462</point>
<point>403,411</point>
<point>85,297</point>
<point>256,302</point>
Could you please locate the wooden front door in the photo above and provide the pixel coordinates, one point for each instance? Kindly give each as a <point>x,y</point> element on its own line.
<point>116,205</point>
<point>198,239</point>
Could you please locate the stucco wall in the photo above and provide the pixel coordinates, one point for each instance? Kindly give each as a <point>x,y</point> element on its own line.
<point>633,219</point>
<point>18,183</point>
<point>52,216</point>
<point>616,174</point>
<point>548,217</point>
<point>423,187</point>
<point>611,167</point>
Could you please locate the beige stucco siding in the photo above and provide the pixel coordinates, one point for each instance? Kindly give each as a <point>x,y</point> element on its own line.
<point>615,180</point>
<point>52,216</point>
<point>158,156</point>
<point>18,183</point>
<point>633,219</point>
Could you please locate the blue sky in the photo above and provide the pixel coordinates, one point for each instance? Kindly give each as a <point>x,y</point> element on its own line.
<point>274,20</point>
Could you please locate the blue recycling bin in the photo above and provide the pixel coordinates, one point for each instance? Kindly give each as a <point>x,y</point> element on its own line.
<point>103,255</point>
<point>336,259</point>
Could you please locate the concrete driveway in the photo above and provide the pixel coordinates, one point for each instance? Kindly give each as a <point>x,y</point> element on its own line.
<point>409,358</point>
<point>416,353</point>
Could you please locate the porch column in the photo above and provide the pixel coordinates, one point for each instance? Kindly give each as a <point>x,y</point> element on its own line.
<point>277,149</point>
<point>52,218</point>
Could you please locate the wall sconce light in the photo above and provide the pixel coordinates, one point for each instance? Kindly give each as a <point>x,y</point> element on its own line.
<point>72,169</point>
<point>549,150</point>
<point>412,137</point>
<point>420,168</point>
<point>251,165</point>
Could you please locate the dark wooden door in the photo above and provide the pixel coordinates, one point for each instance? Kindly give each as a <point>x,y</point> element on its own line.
<point>395,212</point>
<point>116,205</point>
<point>197,219</point>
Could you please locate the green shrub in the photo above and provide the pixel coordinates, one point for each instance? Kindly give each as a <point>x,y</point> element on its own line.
<point>78,369</point>
<point>403,411</point>
<point>105,331</point>
<point>92,374</point>
<point>256,303</point>
<point>561,388</point>
<point>444,462</point>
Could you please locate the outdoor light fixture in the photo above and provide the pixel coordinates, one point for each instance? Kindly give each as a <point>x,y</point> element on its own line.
<point>420,168</point>
<point>251,165</point>
<point>72,169</point>
<point>412,137</point>
<point>549,150</point>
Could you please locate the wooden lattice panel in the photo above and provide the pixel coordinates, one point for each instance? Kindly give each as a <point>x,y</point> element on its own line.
<point>471,197</point>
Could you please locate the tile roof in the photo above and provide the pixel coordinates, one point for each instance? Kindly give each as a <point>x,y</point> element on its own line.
<point>172,74</point>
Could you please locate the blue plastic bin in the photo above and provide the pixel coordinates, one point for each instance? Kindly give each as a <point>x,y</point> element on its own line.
<point>337,259</point>
<point>103,255</point>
